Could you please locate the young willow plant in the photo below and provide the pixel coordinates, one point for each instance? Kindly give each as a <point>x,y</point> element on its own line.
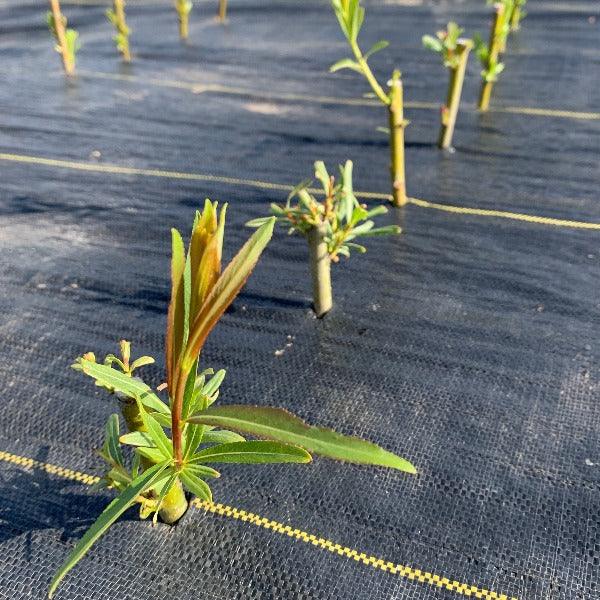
<point>350,15</point>
<point>454,52</point>
<point>67,40</point>
<point>116,16</point>
<point>330,226</point>
<point>183,8</point>
<point>488,55</point>
<point>175,441</point>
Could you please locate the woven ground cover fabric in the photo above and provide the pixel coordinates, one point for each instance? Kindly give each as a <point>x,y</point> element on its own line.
<point>468,345</point>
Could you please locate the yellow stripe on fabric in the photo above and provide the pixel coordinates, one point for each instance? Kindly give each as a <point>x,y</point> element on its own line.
<point>223,510</point>
<point>484,212</point>
<point>216,88</point>
<point>267,185</point>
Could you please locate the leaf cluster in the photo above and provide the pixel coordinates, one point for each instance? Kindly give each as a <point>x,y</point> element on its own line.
<point>183,435</point>
<point>71,36</point>
<point>121,38</point>
<point>344,217</point>
<point>445,43</point>
<point>491,68</point>
<point>350,15</point>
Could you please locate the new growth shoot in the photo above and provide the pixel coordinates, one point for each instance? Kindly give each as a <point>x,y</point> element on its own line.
<point>454,52</point>
<point>67,42</point>
<point>330,226</point>
<point>350,16</point>
<point>116,16</point>
<point>488,55</point>
<point>183,8</point>
<point>176,439</point>
<point>517,14</point>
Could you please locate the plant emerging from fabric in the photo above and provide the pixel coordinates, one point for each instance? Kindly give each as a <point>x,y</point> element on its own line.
<point>67,40</point>
<point>175,441</point>
<point>454,52</point>
<point>518,13</point>
<point>331,226</point>
<point>350,15</point>
<point>488,54</point>
<point>183,8</point>
<point>116,16</point>
<point>222,12</point>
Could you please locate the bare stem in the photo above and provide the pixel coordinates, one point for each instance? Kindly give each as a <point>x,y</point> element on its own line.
<point>59,26</point>
<point>320,269</point>
<point>396,126</point>
<point>494,51</point>
<point>457,77</point>
<point>222,10</point>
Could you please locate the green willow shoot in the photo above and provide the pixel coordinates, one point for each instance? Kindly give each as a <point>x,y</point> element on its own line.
<point>183,8</point>
<point>67,40</point>
<point>454,52</point>
<point>183,435</point>
<point>517,15</point>
<point>330,226</point>
<point>488,54</point>
<point>116,16</point>
<point>350,15</point>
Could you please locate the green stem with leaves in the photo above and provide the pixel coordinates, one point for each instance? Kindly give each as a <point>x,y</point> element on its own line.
<point>455,85</point>
<point>320,269</point>
<point>117,18</point>
<point>68,57</point>
<point>493,53</point>
<point>174,504</point>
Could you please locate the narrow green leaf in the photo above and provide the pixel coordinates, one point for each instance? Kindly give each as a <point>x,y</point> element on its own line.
<point>214,383</point>
<point>278,424</point>
<point>380,45</point>
<point>132,387</point>
<point>142,361</point>
<point>194,484</point>
<point>202,470</point>
<point>226,289</point>
<point>345,63</point>
<point>221,436</point>
<point>110,514</point>
<point>192,437</point>
<point>156,432</point>
<point>152,454</point>
<point>138,438</point>
<point>176,314</point>
<point>254,452</point>
<point>111,443</point>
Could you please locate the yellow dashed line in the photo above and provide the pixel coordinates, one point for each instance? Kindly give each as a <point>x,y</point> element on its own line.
<point>267,185</point>
<point>198,88</point>
<point>308,538</point>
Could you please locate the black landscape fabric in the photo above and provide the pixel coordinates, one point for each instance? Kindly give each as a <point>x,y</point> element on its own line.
<point>468,345</point>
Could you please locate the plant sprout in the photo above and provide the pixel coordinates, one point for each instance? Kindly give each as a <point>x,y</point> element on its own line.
<point>179,438</point>
<point>350,16</point>
<point>454,52</point>
<point>183,8</point>
<point>505,18</point>
<point>517,14</point>
<point>488,55</point>
<point>67,40</point>
<point>330,226</point>
<point>116,16</point>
